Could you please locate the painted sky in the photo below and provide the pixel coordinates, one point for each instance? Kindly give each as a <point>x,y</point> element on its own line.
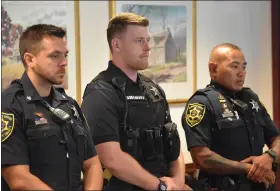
<point>175,16</point>
<point>42,11</point>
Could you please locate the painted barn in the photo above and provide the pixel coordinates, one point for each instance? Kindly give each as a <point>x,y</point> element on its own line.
<point>163,48</point>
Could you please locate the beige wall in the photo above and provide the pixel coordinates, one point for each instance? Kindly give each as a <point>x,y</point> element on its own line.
<point>247,24</point>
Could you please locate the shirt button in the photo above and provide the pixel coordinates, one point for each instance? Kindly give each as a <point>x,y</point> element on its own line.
<point>253,138</point>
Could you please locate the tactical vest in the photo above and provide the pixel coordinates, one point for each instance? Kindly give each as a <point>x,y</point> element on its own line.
<point>233,128</point>
<point>55,144</point>
<point>144,144</point>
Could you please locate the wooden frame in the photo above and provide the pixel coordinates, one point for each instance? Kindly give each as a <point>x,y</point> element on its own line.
<point>20,15</point>
<point>182,99</point>
<point>275,23</point>
<point>78,52</point>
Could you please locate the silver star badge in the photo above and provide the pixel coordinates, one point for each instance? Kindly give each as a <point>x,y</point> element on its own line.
<point>155,91</point>
<point>255,105</point>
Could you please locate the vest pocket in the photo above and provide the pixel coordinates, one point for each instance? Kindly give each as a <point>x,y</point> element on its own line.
<point>232,133</point>
<point>229,124</point>
<point>41,131</point>
<point>43,144</point>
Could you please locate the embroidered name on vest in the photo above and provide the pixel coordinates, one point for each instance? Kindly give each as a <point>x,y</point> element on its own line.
<point>135,97</point>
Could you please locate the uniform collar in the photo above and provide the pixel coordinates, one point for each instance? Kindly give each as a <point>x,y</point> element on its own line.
<point>220,88</point>
<point>31,93</point>
<point>115,71</point>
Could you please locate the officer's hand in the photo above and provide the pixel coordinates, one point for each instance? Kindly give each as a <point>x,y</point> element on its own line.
<point>260,164</point>
<point>268,178</point>
<point>171,183</point>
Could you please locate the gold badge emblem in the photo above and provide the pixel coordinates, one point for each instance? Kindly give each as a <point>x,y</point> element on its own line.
<point>195,113</point>
<point>7,125</point>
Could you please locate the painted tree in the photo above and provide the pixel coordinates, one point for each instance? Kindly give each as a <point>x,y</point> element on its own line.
<point>6,25</point>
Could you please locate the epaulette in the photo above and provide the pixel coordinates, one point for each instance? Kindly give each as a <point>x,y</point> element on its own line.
<point>16,81</point>
<point>12,91</point>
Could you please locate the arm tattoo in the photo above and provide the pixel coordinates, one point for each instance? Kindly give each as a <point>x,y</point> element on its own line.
<point>220,165</point>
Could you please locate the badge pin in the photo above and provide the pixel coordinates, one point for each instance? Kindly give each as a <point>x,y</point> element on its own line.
<point>155,91</point>
<point>255,105</point>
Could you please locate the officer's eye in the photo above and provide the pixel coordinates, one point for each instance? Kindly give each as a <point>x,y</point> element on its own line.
<point>53,56</point>
<point>139,40</point>
<point>234,66</point>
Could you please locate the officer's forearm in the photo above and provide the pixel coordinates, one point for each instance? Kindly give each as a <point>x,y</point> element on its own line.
<point>126,168</point>
<point>275,146</point>
<point>177,169</point>
<point>19,178</point>
<point>220,165</point>
<point>92,170</point>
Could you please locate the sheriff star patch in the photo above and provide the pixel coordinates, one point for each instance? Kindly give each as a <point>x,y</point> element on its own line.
<point>195,113</point>
<point>7,125</point>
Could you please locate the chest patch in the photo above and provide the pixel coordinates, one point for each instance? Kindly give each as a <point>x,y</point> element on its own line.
<point>39,118</point>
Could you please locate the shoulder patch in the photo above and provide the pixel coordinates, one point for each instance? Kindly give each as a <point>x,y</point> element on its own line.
<point>195,113</point>
<point>7,125</point>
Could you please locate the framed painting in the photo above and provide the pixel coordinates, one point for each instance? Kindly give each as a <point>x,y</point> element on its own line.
<point>18,15</point>
<point>172,60</point>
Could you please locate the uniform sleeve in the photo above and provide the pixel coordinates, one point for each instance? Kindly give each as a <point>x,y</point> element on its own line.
<point>269,127</point>
<point>100,109</point>
<point>13,142</point>
<point>196,121</point>
<point>91,152</point>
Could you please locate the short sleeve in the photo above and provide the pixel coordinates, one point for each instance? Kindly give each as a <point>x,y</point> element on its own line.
<point>13,142</point>
<point>196,121</point>
<point>269,127</point>
<point>101,112</point>
<point>91,152</point>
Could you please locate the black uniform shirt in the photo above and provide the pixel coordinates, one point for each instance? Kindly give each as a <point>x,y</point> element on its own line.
<point>235,135</point>
<point>31,137</point>
<point>102,108</point>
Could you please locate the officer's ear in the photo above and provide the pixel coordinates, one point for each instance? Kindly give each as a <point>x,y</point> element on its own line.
<point>213,68</point>
<point>116,44</point>
<point>29,59</point>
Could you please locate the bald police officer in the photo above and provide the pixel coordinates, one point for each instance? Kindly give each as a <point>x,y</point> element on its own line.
<point>227,127</point>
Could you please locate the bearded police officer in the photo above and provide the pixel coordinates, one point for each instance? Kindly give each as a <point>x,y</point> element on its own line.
<point>227,127</point>
<point>128,115</point>
<point>45,141</point>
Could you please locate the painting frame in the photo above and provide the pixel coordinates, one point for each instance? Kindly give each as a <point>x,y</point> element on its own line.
<point>73,35</point>
<point>174,100</point>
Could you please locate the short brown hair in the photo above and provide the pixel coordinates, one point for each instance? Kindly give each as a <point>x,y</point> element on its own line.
<point>31,38</point>
<point>120,22</point>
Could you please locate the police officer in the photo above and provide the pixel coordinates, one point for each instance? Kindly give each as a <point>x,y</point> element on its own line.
<point>227,126</point>
<point>128,115</point>
<point>45,141</point>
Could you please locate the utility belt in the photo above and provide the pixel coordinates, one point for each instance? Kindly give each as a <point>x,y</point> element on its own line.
<point>238,183</point>
<point>150,147</point>
<point>153,143</point>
